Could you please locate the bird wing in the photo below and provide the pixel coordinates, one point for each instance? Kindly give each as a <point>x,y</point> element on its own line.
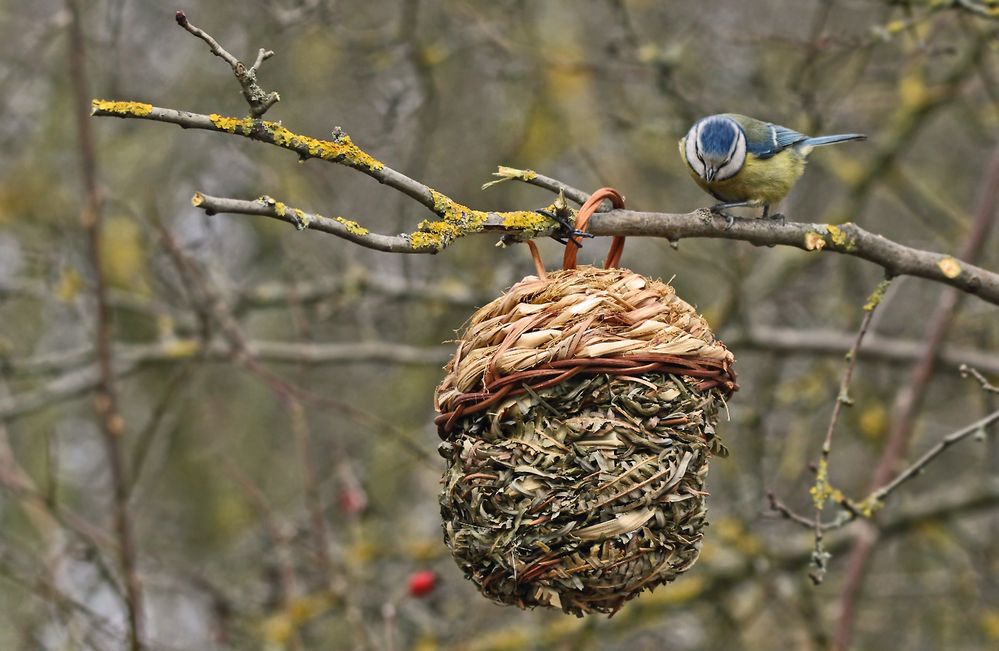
<point>776,139</point>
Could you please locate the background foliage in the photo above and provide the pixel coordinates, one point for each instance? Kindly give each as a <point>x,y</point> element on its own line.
<point>230,531</point>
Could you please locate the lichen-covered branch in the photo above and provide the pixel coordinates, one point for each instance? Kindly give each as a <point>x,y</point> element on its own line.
<point>428,233</point>
<point>457,220</point>
<point>823,491</point>
<point>454,219</point>
<point>849,239</point>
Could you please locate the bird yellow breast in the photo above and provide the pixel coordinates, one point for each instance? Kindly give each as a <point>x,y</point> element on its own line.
<point>760,181</point>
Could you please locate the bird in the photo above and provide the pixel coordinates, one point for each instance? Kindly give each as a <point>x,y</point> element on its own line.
<point>742,161</point>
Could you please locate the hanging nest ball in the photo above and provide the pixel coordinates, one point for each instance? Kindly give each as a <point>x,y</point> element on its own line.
<point>578,417</point>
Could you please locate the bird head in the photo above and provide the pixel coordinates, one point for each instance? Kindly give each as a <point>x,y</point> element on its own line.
<point>715,148</point>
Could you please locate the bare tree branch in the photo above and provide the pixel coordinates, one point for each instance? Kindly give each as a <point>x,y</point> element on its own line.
<point>823,490</point>
<point>848,239</point>
<point>106,399</point>
<point>835,343</point>
<point>258,99</point>
<point>981,379</point>
<point>910,397</point>
<point>866,507</point>
<point>508,223</point>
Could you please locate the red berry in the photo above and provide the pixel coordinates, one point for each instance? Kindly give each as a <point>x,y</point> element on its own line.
<point>422,583</point>
<point>352,502</point>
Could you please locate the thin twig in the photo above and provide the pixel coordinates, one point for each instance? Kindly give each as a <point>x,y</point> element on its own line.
<point>986,385</point>
<point>979,427</point>
<point>822,490</point>
<point>864,508</point>
<point>258,99</point>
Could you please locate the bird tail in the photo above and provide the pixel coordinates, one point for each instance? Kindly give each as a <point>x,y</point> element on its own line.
<point>832,140</point>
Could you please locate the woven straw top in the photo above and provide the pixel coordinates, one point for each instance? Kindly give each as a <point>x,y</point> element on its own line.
<point>575,314</point>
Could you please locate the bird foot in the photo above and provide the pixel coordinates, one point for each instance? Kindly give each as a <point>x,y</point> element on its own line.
<point>777,216</point>
<point>729,217</point>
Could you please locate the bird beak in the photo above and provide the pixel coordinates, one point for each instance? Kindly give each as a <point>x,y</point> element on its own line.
<point>709,174</point>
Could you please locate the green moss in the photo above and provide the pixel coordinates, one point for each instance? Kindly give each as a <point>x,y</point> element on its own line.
<point>352,227</point>
<point>137,109</point>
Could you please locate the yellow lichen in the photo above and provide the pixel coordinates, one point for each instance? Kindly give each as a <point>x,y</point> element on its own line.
<point>823,491</point>
<point>869,506</point>
<point>137,109</point>
<point>352,227</point>
<point>301,218</point>
<point>342,150</point>
<point>280,209</point>
<point>837,235</point>
<point>456,220</point>
<point>526,220</point>
<point>876,295</point>
<point>840,239</point>
<point>224,123</point>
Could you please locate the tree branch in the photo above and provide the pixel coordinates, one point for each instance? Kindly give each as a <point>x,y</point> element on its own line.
<point>910,397</point>
<point>457,220</point>
<point>823,490</point>
<point>109,415</point>
<point>130,359</point>
<point>505,222</point>
<point>835,343</point>
<point>866,507</point>
<point>848,239</point>
<point>258,99</point>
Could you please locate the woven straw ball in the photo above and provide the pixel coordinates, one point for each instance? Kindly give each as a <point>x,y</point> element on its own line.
<point>578,419</point>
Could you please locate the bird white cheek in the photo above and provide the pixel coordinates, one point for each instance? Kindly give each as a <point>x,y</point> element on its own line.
<point>690,152</point>
<point>735,163</point>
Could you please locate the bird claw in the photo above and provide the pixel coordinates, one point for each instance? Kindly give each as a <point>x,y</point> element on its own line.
<point>729,217</point>
<point>778,217</point>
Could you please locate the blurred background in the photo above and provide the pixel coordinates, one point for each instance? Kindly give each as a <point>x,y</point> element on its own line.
<point>262,520</point>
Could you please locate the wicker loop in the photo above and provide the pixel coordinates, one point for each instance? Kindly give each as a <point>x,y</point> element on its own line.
<point>583,220</point>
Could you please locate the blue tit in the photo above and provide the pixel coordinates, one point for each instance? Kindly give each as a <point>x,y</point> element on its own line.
<point>742,161</point>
